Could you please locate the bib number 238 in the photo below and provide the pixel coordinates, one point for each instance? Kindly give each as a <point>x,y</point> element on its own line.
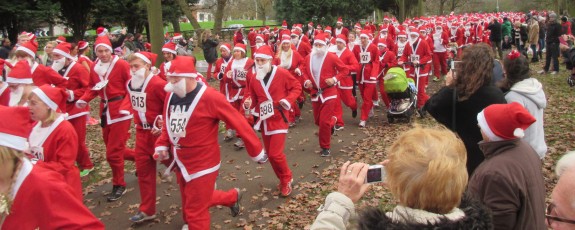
<point>266,110</point>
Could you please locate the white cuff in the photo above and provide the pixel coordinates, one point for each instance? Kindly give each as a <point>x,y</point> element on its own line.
<point>260,156</point>
<point>305,83</point>
<point>125,112</point>
<point>334,79</point>
<point>70,95</point>
<point>286,103</point>
<point>80,102</point>
<point>161,148</point>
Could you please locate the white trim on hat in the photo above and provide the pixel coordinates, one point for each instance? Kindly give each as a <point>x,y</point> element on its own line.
<point>485,127</point>
<point>169,51</point>
<point>340,40</point>
<point>19,80</point>
<point>12,141</point>
<point>381,44</point>
<point>319,41</point>
<point>103,32</point>
<point>364,35</point>
<point>45,99</point>
<point>193,75</point>
<point>25,49</point>
<point>85,46</point>
<point>225,47</point>
<point>104,45</point>
<point>402,36</point>
<point>178,37</point>
<point>144,58</point>
<point>61,52</point>
<point>285,41</point>
<point>239,48</point>
<point>413,33</point>
<point>261,55</point>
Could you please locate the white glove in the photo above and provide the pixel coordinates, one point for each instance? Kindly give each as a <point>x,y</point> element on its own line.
<point>298,71</point>
<point>81,104</point>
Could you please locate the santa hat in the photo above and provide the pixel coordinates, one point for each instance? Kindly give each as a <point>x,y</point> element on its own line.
<point>83,45</point>
<point>64,49</point>
<point>264,52</point>
<point>170,47</point>
<point>298,27</point>
<point>103,41</point>
<point>286,39</point>
<point>383,28</point>
<point>260,37</point>
<point>320,38</point>
<point>61,39</point>
<point>504,121</point>
<point>21,73</point>
<point>327,29</point>
<point>240,47</point>
<point>284,24</point>
<point>30,47</point>
<point>4,62</point>
<point>296,33</point>
<point>365,33</point>
<point>101,31</point>
<point>385,18</point>
<point>341,38</point>
<point>310,24</point>
<point>147,57</point>
<point>381,42</point>
<point>226,46</point>
<point>357,26</point>
<point>402,34</point>
<point>148,46</point>
<point>177,36</point>
<point>53,97</point>
<point>15,127</point>
<point>183,66</point>
<point>339,21</point>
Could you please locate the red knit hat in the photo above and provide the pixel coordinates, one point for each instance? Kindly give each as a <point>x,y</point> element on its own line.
<point>101,31</point>
<point>30,47</point>
<point>183,66</point>
<point>21,73</point>
<point>54,97</point>
<point>169,47</point>
<point>240,47</point>
<point>147,57</point>
<point>504,121</point>
<point>64,49</point>
<point>320,38</point>
<point>103,41</point>
<point>15,127</point>
<point>264,52</point>
<point>61,39</point>
<point>341,38</point>
<point>83,45</point>
<point>226,46</point>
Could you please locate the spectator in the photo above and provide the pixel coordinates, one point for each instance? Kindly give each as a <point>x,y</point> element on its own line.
<point>533,37</point>
<point>129,44</point>
<point>210,42</point>
<point>528,92</point>
<point>542,32</point>
<point>425,173</point>
<point>520,37</point>
<point>495,36</point>
<point>458,103</point>
<point>552,44</point>
<point>46,58</point>
<point>561,211</point>
<point>5,48</point>
<point>565,26</point>
<point>139,42</point>
<point>509,181</point>
<point>506,28</point>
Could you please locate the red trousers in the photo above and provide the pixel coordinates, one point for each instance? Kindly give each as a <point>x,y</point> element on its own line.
<point>324,117</point>
<point>345,96</point>
<point>115,137</point>
<point>274,145</point>
<point>199,195</point>
<point>439,63</point>
<point>146,170</point>
<point>422,96</point>
<point>294,112</point>
<point>384,96</point>
<point>83,157</point>
<point>368,91</point>
<point>209,72</point>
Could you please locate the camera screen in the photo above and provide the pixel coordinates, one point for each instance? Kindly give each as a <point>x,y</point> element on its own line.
<point>374,175</point>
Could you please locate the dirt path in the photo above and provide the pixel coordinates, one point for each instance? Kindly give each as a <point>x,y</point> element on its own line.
<point>258,182</point>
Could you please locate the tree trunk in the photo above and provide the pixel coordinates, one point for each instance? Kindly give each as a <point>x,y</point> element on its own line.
<point>176,25</point>
<point>420,8</point>
<point>441,7</point>
<point>50,29</point>
<point>189,14</point>
<point>453,5</point>
<point>219,16</point>
<point>401,10</point>
<point>156,28</point>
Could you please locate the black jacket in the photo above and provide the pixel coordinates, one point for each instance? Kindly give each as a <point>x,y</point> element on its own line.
<point>553,32</point>
<point>495,28</point>
<point>477,217</point>
<point>440,107</point>
<point>210,51</point>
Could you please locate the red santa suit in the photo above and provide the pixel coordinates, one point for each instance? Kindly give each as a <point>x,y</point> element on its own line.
<point>234,80</point>
<point>478,34</point>
<point>317,69</point>
<point>221,65</point>
<point>147,105</point>
<point>41,74</point>
<point>440,41</point>
<point>252,40</point>
<point>303,47</point>
<point>169,47</point>
<point>108,81</point>
<point>387,59</point>
<point>291,61</point>
<point>41,200</point>
<point>55,146</point>
<point>368,70</point>
<point>4,94</point>
<point>345,85</point>
<point>277,86</point>
<point>418,51</point>
<point>400,47</point>
<point>190,134</point>
<point>391,32</point>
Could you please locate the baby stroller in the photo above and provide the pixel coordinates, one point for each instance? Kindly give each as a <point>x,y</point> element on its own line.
<point>402,93</point>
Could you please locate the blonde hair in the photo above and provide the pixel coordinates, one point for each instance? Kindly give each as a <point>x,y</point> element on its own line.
<point>53,43</point>
<point>427,170</point>
<point>52,115</point>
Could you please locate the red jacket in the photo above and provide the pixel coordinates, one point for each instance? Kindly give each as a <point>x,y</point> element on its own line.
<point>115,91</point>
<point>331,67</point>
<point>220,70</point>
<point>281,86</point>
<point>233,87</point>
<point>294,63</point>
<point>348,59</point>
<point>303,48</point>
<point>146,111</point>
<point>198,152</point>
<point>42,75</point>
<point>420,52</point>
<point>441,40</point>
<point>4,94</point>
<point>44,201</point>
<point>387,59</point>
<point>343,30</point>
<point>367,73</point>
<point>78,79</point>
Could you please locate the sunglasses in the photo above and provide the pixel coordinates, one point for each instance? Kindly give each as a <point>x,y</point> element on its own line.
<point>550,218</point>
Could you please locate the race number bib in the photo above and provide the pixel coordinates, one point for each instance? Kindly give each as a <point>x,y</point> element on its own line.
<point>415,58</point>
<point>400,51</point>
<point>222,69</point>
<point>364,57</point>
<point>266,109</point>
<point>240,74</point>
<point>37,152</point>
<point>138,100</point>
<point>178,122</point>
<point>100,85</point>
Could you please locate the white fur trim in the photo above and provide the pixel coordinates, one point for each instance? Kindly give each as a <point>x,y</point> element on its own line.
<point>485,127</point>
<point>19,80</point>
<point>45,99</point>
<point>518,132</point>
<point>402,214</point>
<point>221,47</point>
<point>104,45</point>
<point>141,56</point>
<point>85,46</point>
<point>12,141</point>
<point>103,32</point>
<point>364,35</point>
<point>264,56</point>
<point>319,41</point>
<point>194,75</point>
<point>260,156</point>
<point>240,49</point>
<point>286,103</point>
<point>61,52</point>
<point>341,40</point>
<point>161,148</point>
<point>169,51</point>
<point>28,51</point>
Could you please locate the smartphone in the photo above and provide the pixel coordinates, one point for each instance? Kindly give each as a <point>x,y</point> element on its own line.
<point>453,64</point>
<point>375,174</point>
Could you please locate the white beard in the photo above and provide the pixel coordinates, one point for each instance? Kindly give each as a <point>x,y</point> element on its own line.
<point>138,78</point>
<point>262,71</point>
<point>179,88</point>
<point>16,96</point>
<point>319,51</point>
<point>411,41</point>
<point>285,59</point>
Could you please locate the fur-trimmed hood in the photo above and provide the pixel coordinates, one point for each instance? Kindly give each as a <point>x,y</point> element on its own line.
<point>477,216</point>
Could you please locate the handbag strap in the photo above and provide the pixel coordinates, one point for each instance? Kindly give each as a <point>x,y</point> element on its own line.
<point>453,111</point>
